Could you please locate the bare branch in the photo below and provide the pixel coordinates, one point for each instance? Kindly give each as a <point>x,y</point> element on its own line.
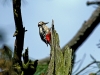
<point>93,2</point>
<point>87,67</point>
<point>84,32</point>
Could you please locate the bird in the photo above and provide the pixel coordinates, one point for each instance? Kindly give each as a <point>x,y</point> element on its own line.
<point>44,32</point>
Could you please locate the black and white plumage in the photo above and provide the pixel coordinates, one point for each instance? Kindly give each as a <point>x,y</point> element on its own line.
<point>43,31</point>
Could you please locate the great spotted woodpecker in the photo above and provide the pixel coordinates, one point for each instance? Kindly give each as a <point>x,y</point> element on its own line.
<point>44,32</point>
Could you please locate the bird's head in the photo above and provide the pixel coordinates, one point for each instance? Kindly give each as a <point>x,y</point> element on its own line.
<point>42,23</point>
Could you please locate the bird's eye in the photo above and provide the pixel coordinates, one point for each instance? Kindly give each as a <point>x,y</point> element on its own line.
<point>39,23</point>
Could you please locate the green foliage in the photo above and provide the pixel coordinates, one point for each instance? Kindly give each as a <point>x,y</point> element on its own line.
<point>5,60</point>
<point>42,68</point>
<point>7,52</point>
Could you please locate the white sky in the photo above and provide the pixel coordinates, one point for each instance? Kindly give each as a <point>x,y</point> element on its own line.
<point>68,16</point>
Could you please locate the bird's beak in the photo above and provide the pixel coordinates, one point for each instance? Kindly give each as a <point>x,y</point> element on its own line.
<point>46,23</point>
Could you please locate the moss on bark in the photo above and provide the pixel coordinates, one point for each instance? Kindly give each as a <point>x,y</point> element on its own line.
<point>60,63</point>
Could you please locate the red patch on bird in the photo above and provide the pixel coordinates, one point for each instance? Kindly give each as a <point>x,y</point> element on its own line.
<point>48,37</point>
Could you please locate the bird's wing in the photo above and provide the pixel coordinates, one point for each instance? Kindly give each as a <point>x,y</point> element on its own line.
<point>43,38</point>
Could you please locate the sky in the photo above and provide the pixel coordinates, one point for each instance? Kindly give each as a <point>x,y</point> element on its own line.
<point>68,16</point>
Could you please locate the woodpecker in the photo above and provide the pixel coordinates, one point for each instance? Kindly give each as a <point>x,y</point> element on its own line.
<point>44,32</point>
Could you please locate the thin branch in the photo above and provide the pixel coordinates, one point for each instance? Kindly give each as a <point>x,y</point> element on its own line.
<point>98,64</point>
<point>82,60</point>
<point>93,2</point>
<point>87,67</point>
<point>97,71</point>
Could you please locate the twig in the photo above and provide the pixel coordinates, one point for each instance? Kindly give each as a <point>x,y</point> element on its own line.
<point>93,2</point>
<point>97,71</point>
<point>82,60</point>
<point>87,66</point>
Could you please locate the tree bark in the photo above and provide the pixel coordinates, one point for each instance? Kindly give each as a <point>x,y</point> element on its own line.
<point>60,63</point>
<point>19,67</point>
<point>19,33</point>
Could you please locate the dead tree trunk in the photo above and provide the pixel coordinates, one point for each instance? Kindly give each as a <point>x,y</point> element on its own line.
<point>60,63</point>
<point>19,33</point>
<point>19,67</point>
